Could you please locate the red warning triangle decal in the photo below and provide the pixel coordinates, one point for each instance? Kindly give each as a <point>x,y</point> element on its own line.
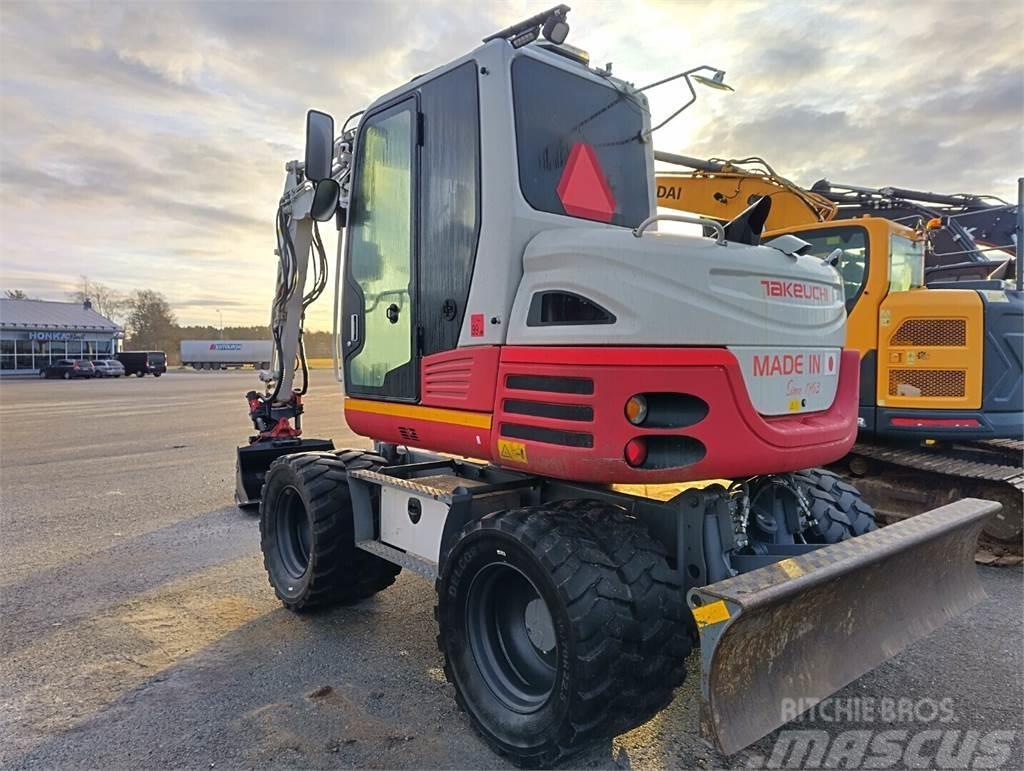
<point>583,188</point>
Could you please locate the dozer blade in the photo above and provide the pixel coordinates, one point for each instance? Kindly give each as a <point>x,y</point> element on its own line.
<point>777,640</point>
<point>254,461</point>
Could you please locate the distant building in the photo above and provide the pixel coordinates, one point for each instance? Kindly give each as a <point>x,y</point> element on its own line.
<point>34,333</point>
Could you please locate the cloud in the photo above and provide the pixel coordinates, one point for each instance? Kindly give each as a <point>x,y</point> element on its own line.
<point>143,144</point>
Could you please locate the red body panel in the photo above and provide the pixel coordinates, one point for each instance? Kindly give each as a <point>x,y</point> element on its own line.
<point>558,411</point>
<point>739,442</point>
<point>469,441</point>
<point>461,379</point>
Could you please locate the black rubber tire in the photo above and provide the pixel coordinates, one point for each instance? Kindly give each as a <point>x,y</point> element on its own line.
<point>157,374</point>
<point>335,571</point>
<point>837,508</point>
<point>618,613</point>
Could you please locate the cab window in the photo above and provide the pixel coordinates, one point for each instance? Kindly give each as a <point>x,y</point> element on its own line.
<point>906,266</point>
<point>569,127</point>
<point>853,257</point>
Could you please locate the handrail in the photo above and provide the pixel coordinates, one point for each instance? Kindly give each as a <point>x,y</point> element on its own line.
<point>719,230</point>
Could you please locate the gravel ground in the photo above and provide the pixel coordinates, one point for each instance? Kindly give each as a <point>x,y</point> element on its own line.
<point>138,629</point>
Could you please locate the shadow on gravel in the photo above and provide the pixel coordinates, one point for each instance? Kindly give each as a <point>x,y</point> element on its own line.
<point>354,687</point>
<point>71,592</point>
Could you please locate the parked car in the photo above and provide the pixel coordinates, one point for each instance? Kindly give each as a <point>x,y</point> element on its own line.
<point>68,369</point>
<point>108,368</point>
<point>141,363</point>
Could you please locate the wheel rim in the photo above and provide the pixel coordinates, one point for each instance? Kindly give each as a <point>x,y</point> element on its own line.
<point>512,637</point>
<point>293,532</point>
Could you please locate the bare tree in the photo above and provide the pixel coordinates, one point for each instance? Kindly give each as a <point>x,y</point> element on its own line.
<point>105,300</point>
<point>17,294</point>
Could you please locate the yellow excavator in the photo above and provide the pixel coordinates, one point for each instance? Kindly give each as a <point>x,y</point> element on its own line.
<point>941,413</point>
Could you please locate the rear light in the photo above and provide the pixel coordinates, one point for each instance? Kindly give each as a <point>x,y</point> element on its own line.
<point>636,410</point>
<point>636,452</point>
<point>934,422</point>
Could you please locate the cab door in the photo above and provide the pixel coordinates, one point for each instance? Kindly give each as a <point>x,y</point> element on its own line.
<point>378,323</point>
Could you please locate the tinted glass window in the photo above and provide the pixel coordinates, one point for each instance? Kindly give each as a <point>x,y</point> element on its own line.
<point>450,215</point>
<point>853,259</point>
<point>562,116</point>
<point>381,241</point>
<point>906,266</point>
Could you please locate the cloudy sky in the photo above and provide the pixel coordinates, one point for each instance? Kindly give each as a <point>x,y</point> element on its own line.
<point>143,143</point>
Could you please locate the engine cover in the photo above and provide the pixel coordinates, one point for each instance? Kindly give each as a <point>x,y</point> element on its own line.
<point>671,289</point>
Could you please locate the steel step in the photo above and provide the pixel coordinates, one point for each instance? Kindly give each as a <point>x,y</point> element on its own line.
<point>417,565</point>
<point>440,487</point>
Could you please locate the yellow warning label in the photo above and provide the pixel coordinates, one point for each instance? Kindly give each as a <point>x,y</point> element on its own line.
<point>794,405</point>
<point>512,451</point>
<point>790,568</point>
<point>712,613</point>
<point>885,318</point>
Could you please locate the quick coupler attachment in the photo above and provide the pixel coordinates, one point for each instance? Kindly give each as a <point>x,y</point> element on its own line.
<point>254,461</point>
<point>795,632</point>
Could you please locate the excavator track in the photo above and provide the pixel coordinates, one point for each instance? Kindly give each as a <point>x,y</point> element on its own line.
<point>901,482</point>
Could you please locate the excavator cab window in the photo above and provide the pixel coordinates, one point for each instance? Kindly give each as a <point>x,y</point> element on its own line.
<point>579,145</point>
<point>906,264</point>
<point>853,258</point>
<point>380,259</point>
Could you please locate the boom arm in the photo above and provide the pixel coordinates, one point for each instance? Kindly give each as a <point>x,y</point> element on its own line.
<point>722,190</point>
<point>974,229</point>
<point>295,239</point>
<point>973,225</point>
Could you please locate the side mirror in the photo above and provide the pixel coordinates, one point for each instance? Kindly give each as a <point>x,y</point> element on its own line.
<point>325,199</point>
<point>319,145</point>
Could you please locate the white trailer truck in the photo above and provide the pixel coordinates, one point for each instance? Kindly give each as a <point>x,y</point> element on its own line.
<point>224,354</point>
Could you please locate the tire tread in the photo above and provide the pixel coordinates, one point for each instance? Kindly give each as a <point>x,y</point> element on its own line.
<point>836,506</point>
<point>631,626</point>
<point>341,573</point>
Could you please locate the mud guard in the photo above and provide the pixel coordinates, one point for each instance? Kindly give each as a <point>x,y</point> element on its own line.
<point>779,639</point>
<point>254,460</point>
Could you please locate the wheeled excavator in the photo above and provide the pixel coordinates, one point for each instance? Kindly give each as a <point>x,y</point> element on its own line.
<point>942,362</point>
<point>515,335</point>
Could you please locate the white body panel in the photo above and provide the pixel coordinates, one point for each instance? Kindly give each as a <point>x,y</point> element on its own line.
<point>782,380</point>
<point>422,538</point>
<point>226,351</point>
<point>669,289</point>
